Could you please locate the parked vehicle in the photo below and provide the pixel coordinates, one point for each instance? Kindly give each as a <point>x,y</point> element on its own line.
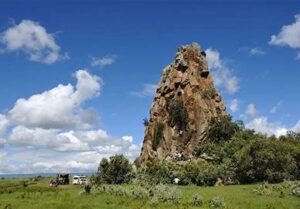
<point>79,180</point>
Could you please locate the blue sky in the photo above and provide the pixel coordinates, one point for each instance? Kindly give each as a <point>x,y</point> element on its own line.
<point>111,53</point>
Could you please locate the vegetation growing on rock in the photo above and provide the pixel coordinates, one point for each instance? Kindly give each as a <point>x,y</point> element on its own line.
<point>178,114</point>
<point>157,134</point>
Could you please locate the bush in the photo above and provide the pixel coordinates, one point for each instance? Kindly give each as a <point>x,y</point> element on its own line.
<point>197,200</point>
<point>296,191</point>
<point>116,170</point>
<point>24,183</point>
<point>156,172</point>
<point>87,188</point>
<point>158,134</point>
<point>262,189</point>
<point>217,202</point>
<point>199,172</point>
<point>165,193</point>
<point>158,193</point>
<point>178,114</point>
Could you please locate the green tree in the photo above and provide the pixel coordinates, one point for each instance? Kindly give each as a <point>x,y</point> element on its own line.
<point>222,128</point>
<point>116,170</point>
<point>266,160</point>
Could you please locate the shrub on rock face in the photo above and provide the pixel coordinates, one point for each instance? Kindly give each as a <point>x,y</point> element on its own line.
<point>145,122</point>
<point>209,92</point>
<point>158,134</point>
<point>178,114</point>
<point>116,170</point>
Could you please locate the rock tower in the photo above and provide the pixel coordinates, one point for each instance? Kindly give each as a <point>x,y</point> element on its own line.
<point>185,101</point>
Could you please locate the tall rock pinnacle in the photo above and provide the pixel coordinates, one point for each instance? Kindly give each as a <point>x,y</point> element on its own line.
<point>185,101</point>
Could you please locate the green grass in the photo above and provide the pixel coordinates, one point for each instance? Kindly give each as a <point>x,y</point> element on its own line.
<point>37,195</point>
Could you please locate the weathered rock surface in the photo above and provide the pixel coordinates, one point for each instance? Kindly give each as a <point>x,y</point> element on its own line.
<point>186,81</point>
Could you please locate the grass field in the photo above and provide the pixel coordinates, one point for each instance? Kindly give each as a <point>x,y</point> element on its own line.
<point>37,195</point>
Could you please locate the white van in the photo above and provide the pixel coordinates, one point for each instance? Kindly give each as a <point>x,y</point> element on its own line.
<point>79,180</point>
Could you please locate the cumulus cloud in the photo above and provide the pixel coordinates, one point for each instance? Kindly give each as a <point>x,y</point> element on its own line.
<point>289,35</point>
<point>32,39</point>
<point>3,126</point>
<point>147,91</point>
<point>73,140</point>
<point>234,105</point>
<point>59,107</point>
<point>103,61</point>
<point>51,132</point>
<point>5,166</point>
<point>46,138</point>
<point>222,74</point>
<point>256,51</point>
<point>251,110</point>
<point>262,125</point>
<point>73,151</point>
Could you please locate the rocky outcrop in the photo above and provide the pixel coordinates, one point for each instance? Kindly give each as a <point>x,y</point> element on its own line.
<point>186,99</point>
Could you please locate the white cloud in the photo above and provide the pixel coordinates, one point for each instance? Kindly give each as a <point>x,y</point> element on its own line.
<point>103,61</point>
<point>251,110</point>
<point>32,39</point>
<point>5,166</point>
<point>147,91</point>
<point>223,75</point>
<point>275,107</point>
<point>47,132</point>
<point>262,125</point>
<point>288,36</point>
<point>46,138</point>
<point>234,105</point>
<point>256,51</point>
<point>59,107</point>
<point>73,140</point>
<point>4,122</point>
<point>73,151</point>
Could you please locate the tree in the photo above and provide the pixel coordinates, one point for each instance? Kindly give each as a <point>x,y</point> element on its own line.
<point>116,170</point>
<point>266,160</point>
<point>222,128</point>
